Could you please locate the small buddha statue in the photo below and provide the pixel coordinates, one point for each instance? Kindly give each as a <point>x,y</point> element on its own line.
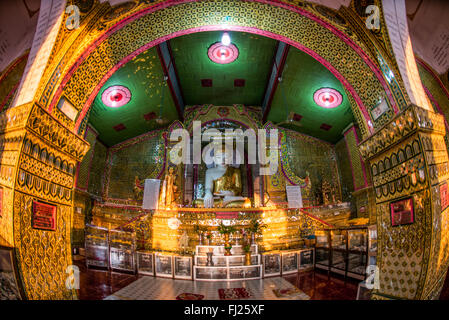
<point>167,196</point>
<point>184,241</point>
<point>223,184</point>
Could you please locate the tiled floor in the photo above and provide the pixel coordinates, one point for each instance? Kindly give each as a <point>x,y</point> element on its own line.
<point>151,288</point>
<point>319,286</point>
<point>99,284</point>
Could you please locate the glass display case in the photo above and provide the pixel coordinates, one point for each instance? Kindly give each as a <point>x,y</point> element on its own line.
<point>96,244</point>
<point>338,239</point>
<point>289,262</point>
<point>372,245</point>
<point>271,264</point>
<point>322,240</point>
<point>211,264</point>
<point>306,259</point>
<point>122,248</point>
<point>338,261</point>
<point>357,240</point>
<point>346,251</point>
<point>357,253</point>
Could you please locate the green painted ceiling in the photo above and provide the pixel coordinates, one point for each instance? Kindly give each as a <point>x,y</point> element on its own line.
<point>302,76</point>
<point>143,76</point>
<point>253,64</point>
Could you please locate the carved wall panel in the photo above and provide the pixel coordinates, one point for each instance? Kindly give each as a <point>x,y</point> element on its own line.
<point>43,256</point>
<point>408,158</point>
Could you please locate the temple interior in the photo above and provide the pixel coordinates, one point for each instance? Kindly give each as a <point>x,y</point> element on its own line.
<point>224,150</point>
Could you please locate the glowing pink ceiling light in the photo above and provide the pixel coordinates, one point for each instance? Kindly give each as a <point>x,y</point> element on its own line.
<point>116,96</point>
<point>222,54</point>
<point>328,98</point>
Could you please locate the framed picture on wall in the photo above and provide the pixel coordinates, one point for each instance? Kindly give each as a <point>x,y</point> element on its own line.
<point>402,212</point>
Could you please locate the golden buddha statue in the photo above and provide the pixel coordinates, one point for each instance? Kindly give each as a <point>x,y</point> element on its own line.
<point>168,189</point>
<point>223,184</point>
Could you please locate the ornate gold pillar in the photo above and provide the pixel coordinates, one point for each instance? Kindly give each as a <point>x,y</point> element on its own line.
<point>409,166</point>
<point>43,161</point>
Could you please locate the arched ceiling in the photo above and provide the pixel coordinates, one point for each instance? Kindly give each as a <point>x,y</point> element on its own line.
<point>301,77</point>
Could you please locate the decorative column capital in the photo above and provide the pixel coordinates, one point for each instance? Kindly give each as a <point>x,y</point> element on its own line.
<point>409,121</point>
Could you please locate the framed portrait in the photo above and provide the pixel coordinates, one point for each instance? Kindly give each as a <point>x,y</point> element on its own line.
<point>402,212</point>
<point>43,216</point>
<point>183,267</point>
<point>163,265</point>
<point>145,263</point>
<point>271,264</point>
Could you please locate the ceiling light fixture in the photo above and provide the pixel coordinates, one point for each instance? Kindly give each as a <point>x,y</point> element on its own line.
<point>222,54</point>
<point>116,96</point>
<point>328,98</point>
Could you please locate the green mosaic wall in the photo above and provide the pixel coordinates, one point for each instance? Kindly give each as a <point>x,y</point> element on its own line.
<point>356,160</point>
<point>142,159</point>
<point>344,168</point>
<point>83,171</point>
<point>97,169</point>
<point>308,154</point>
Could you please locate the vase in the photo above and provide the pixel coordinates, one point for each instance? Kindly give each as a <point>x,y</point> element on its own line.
<point>248,258</point>
<point>209,261</point>
<point>227,245</point>
<point>253,238</point>
<point>201,238</point>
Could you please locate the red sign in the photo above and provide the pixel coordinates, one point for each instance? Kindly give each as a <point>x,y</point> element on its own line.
<point>444,196</point>
<point>44,216</point>
<point>402,212</point>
